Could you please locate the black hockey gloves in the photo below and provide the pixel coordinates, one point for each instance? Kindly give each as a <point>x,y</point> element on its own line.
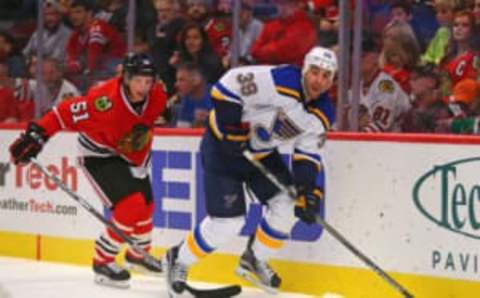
<point>235,139</point>
<point>308,205</point>
<point>29,144</point>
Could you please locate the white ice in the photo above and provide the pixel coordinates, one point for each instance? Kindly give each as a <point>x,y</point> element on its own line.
<point>21,278</point>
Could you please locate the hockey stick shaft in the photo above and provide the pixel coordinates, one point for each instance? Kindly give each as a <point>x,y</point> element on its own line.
<point>330,229</point>
<point>85,204</point>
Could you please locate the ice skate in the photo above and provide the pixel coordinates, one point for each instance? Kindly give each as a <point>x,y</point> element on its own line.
<point>148,266</point>
<point>258,273</point>
<point>111,274</point>
<point>176,272</point>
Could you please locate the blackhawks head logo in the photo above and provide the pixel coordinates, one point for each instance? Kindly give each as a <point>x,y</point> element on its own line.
<point>102,104</point>
<point>136,140</point>
<point>386,86</point>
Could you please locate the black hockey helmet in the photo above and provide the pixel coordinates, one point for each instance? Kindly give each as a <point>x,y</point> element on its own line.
<point>138,64</point>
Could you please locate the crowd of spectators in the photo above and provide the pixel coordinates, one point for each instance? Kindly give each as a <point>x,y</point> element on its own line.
<point>420,62</point>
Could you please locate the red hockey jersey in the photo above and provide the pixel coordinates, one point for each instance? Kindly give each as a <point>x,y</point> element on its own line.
<point>100,41</point>
<point>219,35</point>
<point>107,123</point>
<point>463,66</point>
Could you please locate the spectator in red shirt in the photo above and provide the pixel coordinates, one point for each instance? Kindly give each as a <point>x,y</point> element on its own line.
<point>7,99</point>
<point>286,39</point>
<point>318,5</point>
<point>94,47</point>
<point>219,31</point>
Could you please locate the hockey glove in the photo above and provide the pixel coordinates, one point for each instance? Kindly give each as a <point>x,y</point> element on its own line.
<point>29,144</point>
<point>235,139</point>
<point>308,205</point>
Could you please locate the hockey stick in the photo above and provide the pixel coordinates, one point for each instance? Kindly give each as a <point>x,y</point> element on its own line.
<point>85,204</point>
<point>227,291</point>
<point>339,237</point>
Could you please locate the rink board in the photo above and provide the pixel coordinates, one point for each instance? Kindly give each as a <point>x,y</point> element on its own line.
<point>409,202</point>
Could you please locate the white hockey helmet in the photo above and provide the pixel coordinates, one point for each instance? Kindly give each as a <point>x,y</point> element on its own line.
<point>320,57</point>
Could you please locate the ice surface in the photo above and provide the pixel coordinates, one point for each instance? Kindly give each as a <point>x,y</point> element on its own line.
<point>21,278</point>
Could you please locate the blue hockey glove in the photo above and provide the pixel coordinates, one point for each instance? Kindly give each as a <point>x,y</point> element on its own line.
<point>235,139</point>
<point>29,144</point>
<point>308,205</point>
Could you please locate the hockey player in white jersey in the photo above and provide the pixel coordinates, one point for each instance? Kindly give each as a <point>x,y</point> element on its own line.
<point>258,108</point>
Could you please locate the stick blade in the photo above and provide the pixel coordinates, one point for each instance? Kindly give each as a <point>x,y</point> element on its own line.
<point>222,292</point>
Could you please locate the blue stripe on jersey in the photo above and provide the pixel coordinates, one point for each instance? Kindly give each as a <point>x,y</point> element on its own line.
<point>265,150</point>
<point>227,93</point>
<point>271,232</point>
<point>324,104</point>
<point>288,78</point>
<point>201,242</point>
<point>311,155</point>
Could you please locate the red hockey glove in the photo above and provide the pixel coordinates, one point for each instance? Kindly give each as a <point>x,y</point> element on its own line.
<point>29,144</point>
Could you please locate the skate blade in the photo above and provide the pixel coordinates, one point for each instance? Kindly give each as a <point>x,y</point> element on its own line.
<point>140,269</point>
<point>105,281</point>
<point>248,276</point>
<point>173,294</point>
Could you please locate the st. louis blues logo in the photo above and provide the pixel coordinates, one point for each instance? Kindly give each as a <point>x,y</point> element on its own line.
<point>282,128</point>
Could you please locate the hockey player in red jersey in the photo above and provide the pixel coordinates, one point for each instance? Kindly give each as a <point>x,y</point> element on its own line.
<point>115,122</point>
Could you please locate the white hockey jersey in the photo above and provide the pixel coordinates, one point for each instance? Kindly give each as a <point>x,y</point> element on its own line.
<point>25,89</point>
<point>386,103</point>
<point>273,104</point>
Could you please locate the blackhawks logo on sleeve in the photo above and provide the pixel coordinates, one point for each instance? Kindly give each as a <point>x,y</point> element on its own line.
<point>386,86</point>
<point>102,104</point>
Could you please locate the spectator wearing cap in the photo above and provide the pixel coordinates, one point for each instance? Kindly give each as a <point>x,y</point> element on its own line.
<point>383,102</point>
<point>286,39</point>
<point>328,27</point>
<point>463,96</point>
<point>219,31</point>
<point>438,45</point>
<point>55,34</point>
<point>464,106</point>
<point>428,108</point>
<point>95,47</point>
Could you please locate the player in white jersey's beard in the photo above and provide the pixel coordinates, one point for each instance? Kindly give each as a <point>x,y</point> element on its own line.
<point>259,108</point>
